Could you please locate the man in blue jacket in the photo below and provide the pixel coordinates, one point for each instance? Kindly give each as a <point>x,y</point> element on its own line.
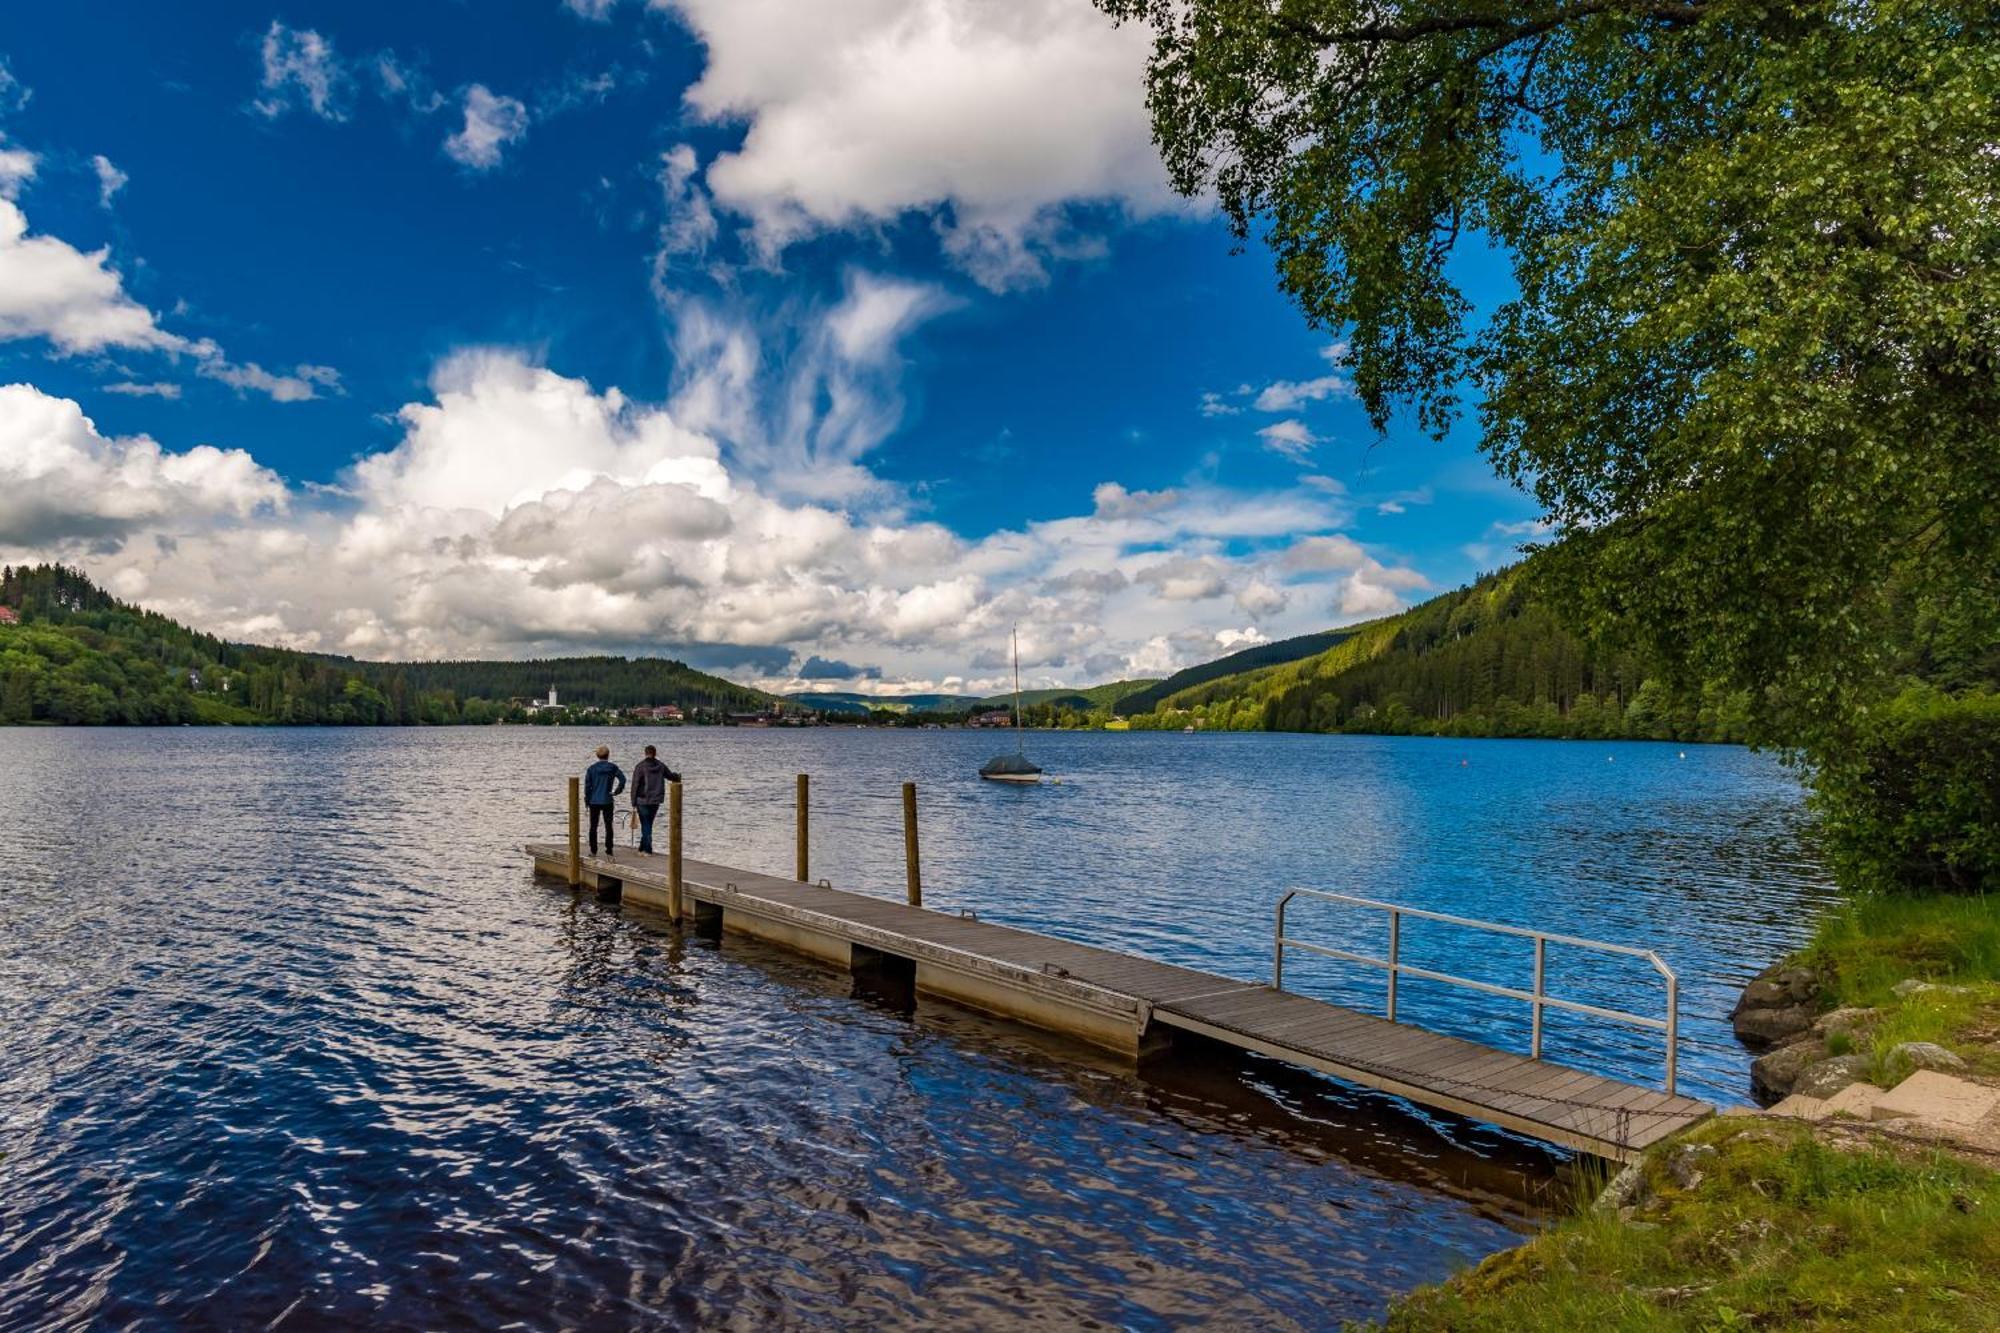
<point>602,782</point>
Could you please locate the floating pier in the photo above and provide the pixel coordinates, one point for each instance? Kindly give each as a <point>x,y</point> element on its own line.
<point>1137,1007</point>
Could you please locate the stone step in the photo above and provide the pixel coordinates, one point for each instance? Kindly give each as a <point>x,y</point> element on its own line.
<point>1856,1099</point>
<point>1938,1099</point>
<point>1800,1107</point>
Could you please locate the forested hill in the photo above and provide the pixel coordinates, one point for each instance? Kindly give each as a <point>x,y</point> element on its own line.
<point>1153,693</point>
<point>1486,660</point>
<point>78,655</point>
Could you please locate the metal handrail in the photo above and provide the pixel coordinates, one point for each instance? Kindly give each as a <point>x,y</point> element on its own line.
<point>1539,998</point>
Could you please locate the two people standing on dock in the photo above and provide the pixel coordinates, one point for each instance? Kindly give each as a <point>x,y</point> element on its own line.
<point>602,782</point>
<point>649,790</point>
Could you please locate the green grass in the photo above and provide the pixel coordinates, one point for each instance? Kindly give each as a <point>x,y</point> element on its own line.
<point>1869,945</point>
<point>210,711</point>
<point>1865,948</point>
<point>1784,1232</point>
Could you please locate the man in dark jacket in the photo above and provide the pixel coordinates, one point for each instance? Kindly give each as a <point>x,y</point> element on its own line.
<point>649,788</point>
<point>602,782</point>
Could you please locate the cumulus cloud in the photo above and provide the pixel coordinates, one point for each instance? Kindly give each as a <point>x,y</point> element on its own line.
<point>1291,438</point>
<point>60,479</point>
<point>110,180</point>
<point>992,117</point>
<point>1260,598</point>
<point>1282,396</point>
<point>49,289</point>
<point>1290,395</point>
<point>826,668</point>
<point>525,511</point>
<point>301,71</point>
<point>492,121</point>
<point>1185,578</point>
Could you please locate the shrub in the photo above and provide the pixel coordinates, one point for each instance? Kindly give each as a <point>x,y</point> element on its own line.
<point>1912,803</point>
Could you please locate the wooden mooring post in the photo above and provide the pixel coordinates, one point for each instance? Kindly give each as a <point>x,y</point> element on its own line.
<point>802,864</point>
<point>674,850</point>
<point>575,832</point>
<point>910,868</point>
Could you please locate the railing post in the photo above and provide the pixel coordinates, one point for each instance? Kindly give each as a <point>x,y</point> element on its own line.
<point>802,865</point>
<point>1673,1030</point>
<point>674,850</point>
<point>911,872</point>
<point>1278,946</point>
<point>1395,957</point>
<point>1541,956</point>
<point>575,832</point>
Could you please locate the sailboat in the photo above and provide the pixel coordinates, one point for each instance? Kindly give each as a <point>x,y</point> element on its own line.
<point>1013,767</point>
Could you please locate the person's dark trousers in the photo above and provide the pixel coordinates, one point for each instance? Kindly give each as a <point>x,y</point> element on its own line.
<point>647,814</point>
<point>604,812</point>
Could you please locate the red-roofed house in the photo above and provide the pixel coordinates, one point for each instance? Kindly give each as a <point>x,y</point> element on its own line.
<point>8,616</point>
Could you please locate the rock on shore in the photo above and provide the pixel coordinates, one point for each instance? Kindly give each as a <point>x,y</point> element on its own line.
<point>1779,1004</point>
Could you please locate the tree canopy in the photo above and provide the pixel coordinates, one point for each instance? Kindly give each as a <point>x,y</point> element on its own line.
<point>1751,367</point>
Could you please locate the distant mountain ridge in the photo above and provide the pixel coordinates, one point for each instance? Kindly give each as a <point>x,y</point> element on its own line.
<point>848,701</point>
<point>80,655</point>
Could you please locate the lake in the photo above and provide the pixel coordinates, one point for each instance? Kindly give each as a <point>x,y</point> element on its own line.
<point>295,1038</point>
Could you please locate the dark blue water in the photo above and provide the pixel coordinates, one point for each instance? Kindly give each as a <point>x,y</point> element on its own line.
<point>293,1039</point>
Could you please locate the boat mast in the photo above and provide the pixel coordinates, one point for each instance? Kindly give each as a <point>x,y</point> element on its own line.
<point>1020,741</point>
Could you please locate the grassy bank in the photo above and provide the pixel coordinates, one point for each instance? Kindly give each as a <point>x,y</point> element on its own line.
<point>1792,1226</point>
<point>1863,951</point>
<point>1782,1230</point>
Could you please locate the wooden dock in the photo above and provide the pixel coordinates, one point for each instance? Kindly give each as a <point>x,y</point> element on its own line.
<point>1136,1006</point>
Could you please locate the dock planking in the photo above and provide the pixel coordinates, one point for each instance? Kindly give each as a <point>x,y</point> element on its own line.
<point>1134,1006</point>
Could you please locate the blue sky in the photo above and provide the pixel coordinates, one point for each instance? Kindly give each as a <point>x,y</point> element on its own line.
<point>781,337</point>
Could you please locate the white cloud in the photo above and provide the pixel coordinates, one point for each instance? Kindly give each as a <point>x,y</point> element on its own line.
<point>1186,578</point>
<point>1215,405</point>
<point>688,225</point>
<point>1322,554</point>
<point>598,10</point>
<point>301,70</point>
<point>523,511</point>
<point>17,168</point>
<point>802,395</point>
<point>992,116</point>
<point>1290,438</point>
<point>110,180</point>
<point>161,389</point>
<point>1259,598</point>
<point>303,384</point>
<point>61,479</point>
<point>13,93</point>
<point>1290,395</point>
<point>406,83</point>
<point>492,121</point>
<point>1374,589</point>
<point>49,289</point>
<point>1400,502</point>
